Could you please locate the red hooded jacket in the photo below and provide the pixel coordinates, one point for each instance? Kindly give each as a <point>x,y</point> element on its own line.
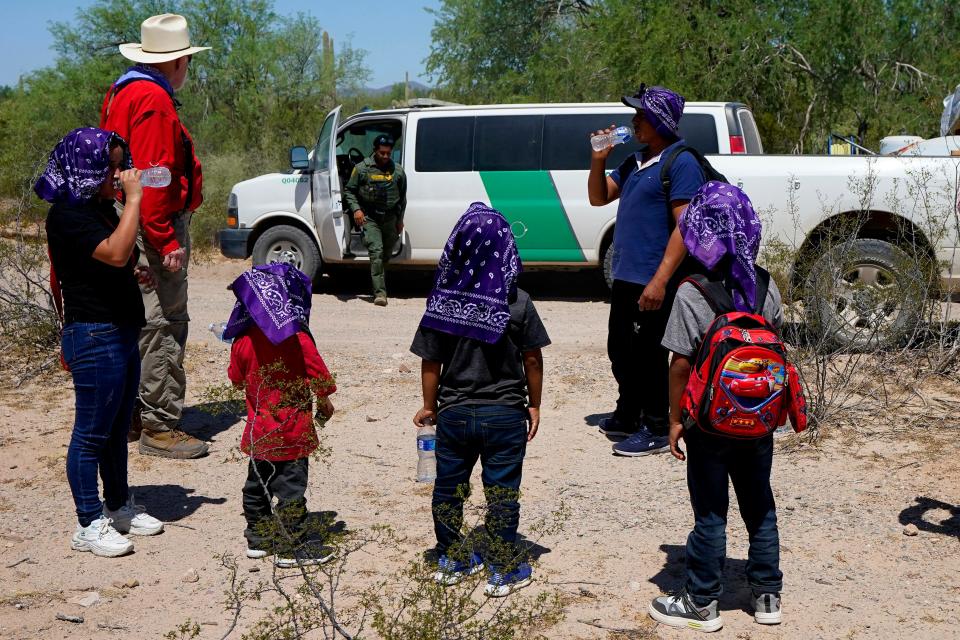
<point>144,115</point>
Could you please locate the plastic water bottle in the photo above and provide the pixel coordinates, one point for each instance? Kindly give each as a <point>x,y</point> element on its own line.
<point>217,329</point>
<point>156,177</point>
<point>426,452</point>
<point>617,136</point>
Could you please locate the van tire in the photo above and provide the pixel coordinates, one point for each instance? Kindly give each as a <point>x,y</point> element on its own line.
<point>284,243</point>
<point>878,278</point>
<point>606,263</point>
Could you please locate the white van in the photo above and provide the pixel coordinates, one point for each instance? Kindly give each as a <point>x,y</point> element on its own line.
<point>528,161</point>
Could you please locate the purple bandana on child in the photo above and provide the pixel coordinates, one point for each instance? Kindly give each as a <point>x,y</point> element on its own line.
<point>476,278</point>
<point>276,297</point>
<point>662,107</point>
<point>77,166</point>
<point>719,222</point>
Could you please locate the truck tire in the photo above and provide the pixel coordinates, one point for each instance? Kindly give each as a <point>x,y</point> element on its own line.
<point>606,263</point>
<point>862,295</point>
<point>284,243</point>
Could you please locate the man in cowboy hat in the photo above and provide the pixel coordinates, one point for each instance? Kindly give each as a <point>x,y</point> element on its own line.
<point>142,108</point>
<point>647,256</point>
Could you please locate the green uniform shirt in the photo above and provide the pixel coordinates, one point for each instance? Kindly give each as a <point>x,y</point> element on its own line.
<point>374,190</point>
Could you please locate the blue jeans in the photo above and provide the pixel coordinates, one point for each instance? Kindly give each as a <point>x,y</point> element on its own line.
<point>104,361</point>
<point>497,435</point>
<point>710,460</point>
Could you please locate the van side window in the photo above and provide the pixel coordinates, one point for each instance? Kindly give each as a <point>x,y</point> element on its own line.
<point>508,143</point>
<point>445,144</point>
<point>699,130</point>
<point>566,145</point>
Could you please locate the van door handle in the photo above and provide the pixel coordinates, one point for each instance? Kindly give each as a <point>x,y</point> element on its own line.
<point>796,185</point>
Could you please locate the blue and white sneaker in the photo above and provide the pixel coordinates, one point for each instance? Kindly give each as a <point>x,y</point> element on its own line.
<point>450,572</point>
<point>503,584</point>
<point>616,428</point>
<point>642,443</point>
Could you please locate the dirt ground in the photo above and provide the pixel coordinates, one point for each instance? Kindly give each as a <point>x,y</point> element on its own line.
<point>850,571</point>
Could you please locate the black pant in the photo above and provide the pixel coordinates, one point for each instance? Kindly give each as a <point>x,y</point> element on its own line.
<point>287,480</point>
<point>710,460</point>
<point>639,363</point>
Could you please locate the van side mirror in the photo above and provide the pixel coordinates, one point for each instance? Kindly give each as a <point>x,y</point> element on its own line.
<point>299,159</point>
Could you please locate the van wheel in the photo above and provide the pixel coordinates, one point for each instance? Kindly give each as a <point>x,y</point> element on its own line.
<point>284,243</point>
<point>606,263</point>
<point>864,294</point>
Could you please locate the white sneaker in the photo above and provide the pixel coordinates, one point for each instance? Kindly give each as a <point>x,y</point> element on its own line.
<point>101,539</point>
<point>131,518</point>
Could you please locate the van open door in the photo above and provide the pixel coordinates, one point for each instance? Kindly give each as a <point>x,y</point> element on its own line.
<point>327,205</point>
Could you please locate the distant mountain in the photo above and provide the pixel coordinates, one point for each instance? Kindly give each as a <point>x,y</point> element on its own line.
<point>415,87</point>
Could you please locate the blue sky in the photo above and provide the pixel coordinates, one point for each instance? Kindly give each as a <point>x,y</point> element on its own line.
<point>396,35</point>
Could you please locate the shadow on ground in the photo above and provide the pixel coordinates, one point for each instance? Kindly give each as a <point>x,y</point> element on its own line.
<point>208,419</point>
<point>172,502</point>
<point>916,514</point>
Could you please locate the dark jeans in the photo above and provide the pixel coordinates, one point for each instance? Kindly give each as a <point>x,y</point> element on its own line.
<point>287,480</point>
<point>104,361</point>
<point>497,435</point>
<point>710,460</point>
<point>638,362</point>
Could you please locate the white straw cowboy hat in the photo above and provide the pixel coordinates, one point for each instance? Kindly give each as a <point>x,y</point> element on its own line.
<point>165,37</point>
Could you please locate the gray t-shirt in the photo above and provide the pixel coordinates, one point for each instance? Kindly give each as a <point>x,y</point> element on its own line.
<point>691,317</point>
<point>474,372</point>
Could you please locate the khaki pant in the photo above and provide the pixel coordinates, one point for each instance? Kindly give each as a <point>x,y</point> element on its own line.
<point>163,381</point>
<point>379,237</point>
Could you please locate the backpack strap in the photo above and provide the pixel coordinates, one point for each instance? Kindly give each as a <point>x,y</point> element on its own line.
<point>763,285</point>
<point>713,292</point>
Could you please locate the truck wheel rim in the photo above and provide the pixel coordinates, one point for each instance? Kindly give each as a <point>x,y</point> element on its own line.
<point>285,252</point>
<point>867,300</point>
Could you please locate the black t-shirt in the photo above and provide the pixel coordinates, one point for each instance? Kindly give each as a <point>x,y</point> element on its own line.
<point>93,291</point>
<point>475,372</point>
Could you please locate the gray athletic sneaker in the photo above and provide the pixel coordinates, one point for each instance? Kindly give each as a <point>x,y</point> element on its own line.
<point>766,608</point>
<point>678,610</point>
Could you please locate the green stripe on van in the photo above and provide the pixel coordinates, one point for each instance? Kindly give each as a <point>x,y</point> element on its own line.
<point>528,199</point>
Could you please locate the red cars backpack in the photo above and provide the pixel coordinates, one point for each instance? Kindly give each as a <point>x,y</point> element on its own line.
<point>742,385</point>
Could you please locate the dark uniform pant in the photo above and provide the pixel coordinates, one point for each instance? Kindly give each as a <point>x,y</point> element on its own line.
<point>287,480</point>
<point>379,237</point>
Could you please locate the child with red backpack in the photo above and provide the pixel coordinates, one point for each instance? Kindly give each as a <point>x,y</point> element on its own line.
<point>731,386</point>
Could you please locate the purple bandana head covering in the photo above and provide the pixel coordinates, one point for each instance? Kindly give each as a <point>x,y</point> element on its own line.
<point>662,108</point>
<point>78,165</point>
<point>276,297</point>
<point>476,278</point>
<point>720,222</point>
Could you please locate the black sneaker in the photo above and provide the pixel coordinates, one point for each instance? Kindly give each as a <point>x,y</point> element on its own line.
<point>642,443</point>
<point>766,608</point>
<point>617,428</point>
<point>678,610</point>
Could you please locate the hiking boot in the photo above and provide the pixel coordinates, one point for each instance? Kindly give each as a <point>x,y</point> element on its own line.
<point>642,443</point>
<point>133,519</point>
<point>101,539</point>
<point>136,426</point>
<point>679,610</point>
<point>450,571</point>
<point>766,608</point>
<point>380,300</point>
<point>171,444</point>
<point>617,428</point>
<point>502,583</point>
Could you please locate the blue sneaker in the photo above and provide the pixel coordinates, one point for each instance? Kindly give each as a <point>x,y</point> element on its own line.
<point>450,572</point>
<point>642,443</point>
<point>617,428</point>
<point>503,584</point>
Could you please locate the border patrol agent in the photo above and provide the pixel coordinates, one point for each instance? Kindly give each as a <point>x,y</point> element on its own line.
<point>377,197</point>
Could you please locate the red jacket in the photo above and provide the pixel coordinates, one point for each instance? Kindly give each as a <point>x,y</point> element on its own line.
<point>277,430</point>
<point>144,115</point>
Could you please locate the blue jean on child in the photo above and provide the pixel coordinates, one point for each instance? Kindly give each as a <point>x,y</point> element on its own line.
<point>104,360</point>
<point>497,436</point>
<point>710,460</point>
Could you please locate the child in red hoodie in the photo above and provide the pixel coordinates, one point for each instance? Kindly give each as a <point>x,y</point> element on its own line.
<point>274,358</point>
